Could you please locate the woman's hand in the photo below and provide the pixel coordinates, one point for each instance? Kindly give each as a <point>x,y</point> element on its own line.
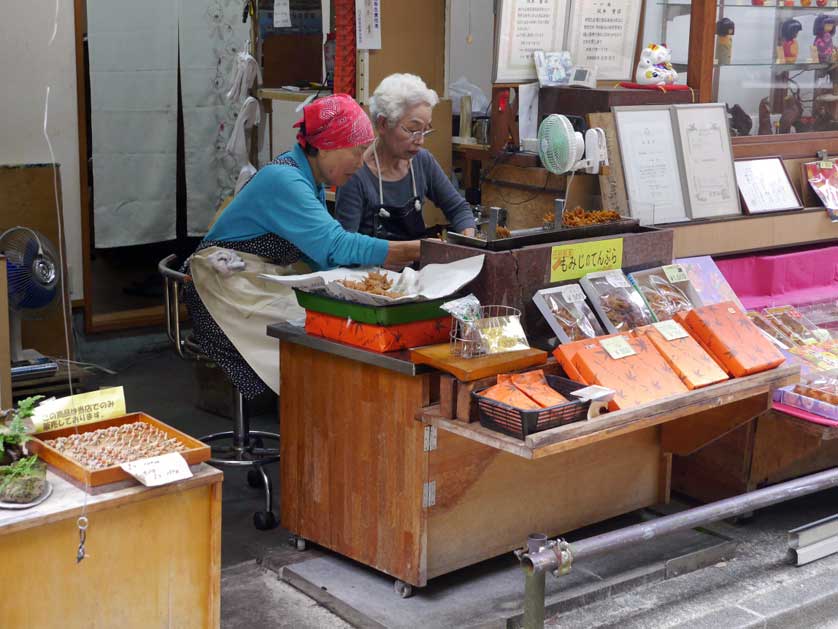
<point>468,232</point>
<point>402,253</point>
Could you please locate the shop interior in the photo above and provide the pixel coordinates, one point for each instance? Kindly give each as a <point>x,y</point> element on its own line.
<point>606,320</point>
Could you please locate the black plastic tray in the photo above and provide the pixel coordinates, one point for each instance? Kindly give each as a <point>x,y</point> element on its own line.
<point>518,423</point>
<point>540,236</point>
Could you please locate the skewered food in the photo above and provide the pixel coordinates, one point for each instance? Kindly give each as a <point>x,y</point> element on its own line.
<point>374,283</point>
<point>115,445</point>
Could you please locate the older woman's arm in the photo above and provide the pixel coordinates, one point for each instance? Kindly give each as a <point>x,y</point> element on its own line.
<point>446,197</point>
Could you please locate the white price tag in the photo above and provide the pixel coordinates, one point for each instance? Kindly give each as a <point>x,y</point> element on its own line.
<point>282,13</point>
<point>617,347</point>
<point>675,273</point>
<point>159,470</point>
<point>671,330</point>
<point>617,279</point>
<point>572,294</point>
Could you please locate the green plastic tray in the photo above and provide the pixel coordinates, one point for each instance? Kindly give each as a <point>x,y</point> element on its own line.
<point>375,315</point>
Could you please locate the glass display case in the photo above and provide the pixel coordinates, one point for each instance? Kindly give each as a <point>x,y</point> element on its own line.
<point>774,61</point>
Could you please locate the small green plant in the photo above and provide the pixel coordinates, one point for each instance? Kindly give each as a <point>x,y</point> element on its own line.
<point>19,469</point>
<point>15,433</point>
<point>22,477</point>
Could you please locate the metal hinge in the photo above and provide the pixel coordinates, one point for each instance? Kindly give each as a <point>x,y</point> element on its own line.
<point>430,438</point>
<point>429,494</point>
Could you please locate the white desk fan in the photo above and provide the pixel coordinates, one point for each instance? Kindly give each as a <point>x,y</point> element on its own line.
<point>564,150</point>
<point>32,267</point>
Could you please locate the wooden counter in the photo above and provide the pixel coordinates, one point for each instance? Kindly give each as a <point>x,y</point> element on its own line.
<point>371,470</point>
<point>154,557</point>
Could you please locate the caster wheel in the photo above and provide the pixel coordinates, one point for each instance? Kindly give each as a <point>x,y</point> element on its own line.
<point>265,520</point>
<point>301,544</point>
<point>405,590</point>
<point>254,479</point>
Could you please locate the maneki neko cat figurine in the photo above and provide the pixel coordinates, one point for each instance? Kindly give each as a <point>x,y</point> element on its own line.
<point>655,66</point>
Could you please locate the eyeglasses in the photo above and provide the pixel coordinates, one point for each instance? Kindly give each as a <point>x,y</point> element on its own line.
<point>416,136</point>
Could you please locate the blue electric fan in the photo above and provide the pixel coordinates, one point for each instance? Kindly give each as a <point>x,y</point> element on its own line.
<point>33,270</point>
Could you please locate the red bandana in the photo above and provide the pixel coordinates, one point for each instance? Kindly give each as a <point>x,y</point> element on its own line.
<point>335,122</point>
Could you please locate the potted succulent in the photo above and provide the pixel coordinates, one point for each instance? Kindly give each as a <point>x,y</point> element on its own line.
<point>22,477</point>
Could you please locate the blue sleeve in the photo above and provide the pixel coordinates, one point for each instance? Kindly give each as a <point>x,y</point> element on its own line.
<point>349,204</point>
<point>291,209</point>
<point>446,197</point>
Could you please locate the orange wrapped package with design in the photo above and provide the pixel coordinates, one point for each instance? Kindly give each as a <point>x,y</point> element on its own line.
<point>637,379</point>
<point>564,354</point>
<point>508,393</point>
<point>534,385</point>
<point>378,338</point>
<point>694,366</point>
<point>733,339</point>
<point>681,318</point>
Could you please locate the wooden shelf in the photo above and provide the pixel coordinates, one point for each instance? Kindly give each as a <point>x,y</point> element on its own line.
<point>759,232</point>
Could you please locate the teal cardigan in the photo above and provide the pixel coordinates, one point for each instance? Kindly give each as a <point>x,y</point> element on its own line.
<point>286,201</point>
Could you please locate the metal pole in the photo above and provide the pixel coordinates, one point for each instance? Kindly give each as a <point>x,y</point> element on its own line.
<point>534,599</point>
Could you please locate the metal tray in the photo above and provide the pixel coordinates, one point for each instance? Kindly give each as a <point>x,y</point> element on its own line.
<point>396,314</point>
<point>540,236</point>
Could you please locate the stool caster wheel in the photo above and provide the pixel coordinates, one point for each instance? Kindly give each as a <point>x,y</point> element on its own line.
<point>300,543</point>
<point>405,590</point>
<point>265,520</point>
<point>254,479</point>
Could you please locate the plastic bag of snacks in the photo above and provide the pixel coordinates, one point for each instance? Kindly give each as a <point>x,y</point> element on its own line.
<point>568,314</point>
<point>776,334</point>
<point>619,306</point>
<point>666,290</point>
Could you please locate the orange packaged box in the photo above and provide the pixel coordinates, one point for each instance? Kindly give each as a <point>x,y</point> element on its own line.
<point>534,385</point>
<point>565,352</point>
<point>733,338</point>
<point>681,318</point>
<point>637,378</point>
<point>378,338</point>
<point>682,352</point>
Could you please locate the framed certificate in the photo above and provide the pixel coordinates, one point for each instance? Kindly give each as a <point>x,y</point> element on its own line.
<point>703,139</point>
<point>650,164</point>
<point>765,186</point>
<point>523,27</point>
<point>602,34</point>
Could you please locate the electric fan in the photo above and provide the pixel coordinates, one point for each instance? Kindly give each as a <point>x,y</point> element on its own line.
<point>34,274</point>
<point>563,149</point>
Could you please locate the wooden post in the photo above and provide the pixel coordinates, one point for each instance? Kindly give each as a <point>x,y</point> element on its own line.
<point>700,58</point>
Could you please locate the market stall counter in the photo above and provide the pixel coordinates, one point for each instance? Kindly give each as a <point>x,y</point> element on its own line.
<point>152,556</point>
<point>371,469</point>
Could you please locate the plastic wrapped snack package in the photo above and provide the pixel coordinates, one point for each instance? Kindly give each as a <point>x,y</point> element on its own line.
<point>619,306</point>
<point>501,334</point>
<point>781,339</point>
<point>568,314</point>
<point>791,322</point>
<point>666,290</point>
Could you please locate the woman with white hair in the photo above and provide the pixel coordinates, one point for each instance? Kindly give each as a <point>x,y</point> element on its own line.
<point>384,197</point>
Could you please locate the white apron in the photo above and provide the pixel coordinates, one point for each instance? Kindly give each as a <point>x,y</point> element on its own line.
<point>243,305</point>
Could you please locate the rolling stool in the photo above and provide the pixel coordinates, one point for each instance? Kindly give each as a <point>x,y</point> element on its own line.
<point>247,448</point>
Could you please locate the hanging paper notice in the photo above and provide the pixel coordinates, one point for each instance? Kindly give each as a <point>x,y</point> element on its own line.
<point>368,24</point>
<point>570,262</point>
<point>282,13</point>
<point>75,410</point>
<point>159,470</point>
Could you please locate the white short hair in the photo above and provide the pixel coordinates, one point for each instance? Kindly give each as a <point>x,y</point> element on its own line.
<point>397,93</point>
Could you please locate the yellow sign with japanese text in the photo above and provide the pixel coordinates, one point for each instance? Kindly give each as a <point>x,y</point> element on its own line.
<point>75,410</point>
<point>570,262</point>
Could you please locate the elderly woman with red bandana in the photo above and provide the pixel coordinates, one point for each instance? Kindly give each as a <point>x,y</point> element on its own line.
<point>277,220</point>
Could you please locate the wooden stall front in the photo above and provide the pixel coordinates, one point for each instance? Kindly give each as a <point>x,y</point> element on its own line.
<point>372,470</point>
<point>153,557</point>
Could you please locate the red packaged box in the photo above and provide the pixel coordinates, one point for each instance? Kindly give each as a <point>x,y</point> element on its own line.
<point>733,338</point>
<point>378,338</point>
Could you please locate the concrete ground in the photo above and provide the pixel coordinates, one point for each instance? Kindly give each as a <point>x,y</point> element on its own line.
<point>757,588</point>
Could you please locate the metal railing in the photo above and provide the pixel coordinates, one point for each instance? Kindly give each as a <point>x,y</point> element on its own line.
<point>557,556</point>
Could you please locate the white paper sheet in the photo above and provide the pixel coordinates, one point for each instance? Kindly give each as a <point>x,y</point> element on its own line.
<point>528,110</point>
<point>282,13</point>
<point>133,84</point>
<point>434,281</point>
<point>368,24</point>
